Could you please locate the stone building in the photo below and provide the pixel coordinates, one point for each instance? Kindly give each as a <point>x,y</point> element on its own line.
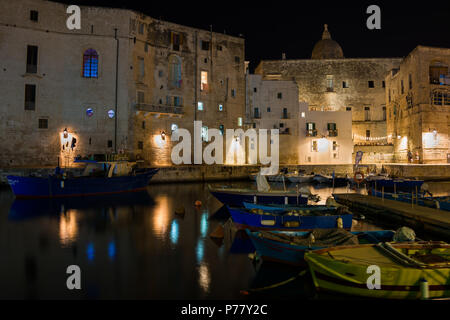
<point>418,106</point>
<point>121,83</point>
<point>306,136</point>
<point>330,82</point>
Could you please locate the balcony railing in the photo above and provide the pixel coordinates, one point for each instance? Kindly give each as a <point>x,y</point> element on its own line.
<point>176,110</point>
<point>311,133</point>
<point>332,133</point>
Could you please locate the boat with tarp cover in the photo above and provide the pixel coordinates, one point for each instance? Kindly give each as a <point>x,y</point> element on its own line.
<point>98,178</point>
<point>290,247</point>
<point>407,270</point>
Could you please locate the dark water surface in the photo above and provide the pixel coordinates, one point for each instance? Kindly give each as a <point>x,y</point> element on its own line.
<point>136,247</point>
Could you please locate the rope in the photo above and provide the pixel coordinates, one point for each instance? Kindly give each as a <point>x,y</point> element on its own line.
<point>247,292</point>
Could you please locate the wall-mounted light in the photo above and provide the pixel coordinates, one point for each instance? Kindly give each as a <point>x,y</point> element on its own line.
<point>163,135</point>
<point>65,133</point>
<point>399,137</point>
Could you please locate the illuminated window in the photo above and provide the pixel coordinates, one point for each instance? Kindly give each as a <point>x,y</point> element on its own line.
<point>204,81</point>
<point>205,133</point>
<point>239,122</point>
<point>303,115</point>
<point>314,146</point>
<point>90,64</point>
<point>200,106</point>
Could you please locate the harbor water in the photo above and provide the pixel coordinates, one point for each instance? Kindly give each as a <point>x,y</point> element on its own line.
<point>152,245</point>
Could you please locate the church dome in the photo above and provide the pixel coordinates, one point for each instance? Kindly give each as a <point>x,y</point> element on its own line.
<point>327,48</point>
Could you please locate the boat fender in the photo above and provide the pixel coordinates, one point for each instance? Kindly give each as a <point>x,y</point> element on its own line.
<point>312,239</point>
<point>340,223</point>
<point>424,289</point>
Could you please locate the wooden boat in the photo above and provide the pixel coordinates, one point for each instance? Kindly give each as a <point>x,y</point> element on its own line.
<point>396,185</point>
<point>237,197</point>
<point>404,268</point>
<point>289,247</point>
<point>442,203</point>
<point>98,178</point>
<point>257,219</point>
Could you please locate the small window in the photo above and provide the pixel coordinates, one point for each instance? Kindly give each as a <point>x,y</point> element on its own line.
<point>281,125</point>
<point>30,97</point>
<point>237,59</point>
<point>205,60</point>
<point>371,84</point>
<point>140,145</point>
<point>220,107</point>
<point>90,64</point>
<point>141,28</point>
<point>402,87</point>
<point>239,122</point>
<point>219,48</point>
<point>34,15</point>
<point>348,108</point>
<point>303,115</point>
<point>43,123</point>
<point>255,90</point>
<point>383,84</point>
<point>344,84</point>
<point>334,146</point>
<point>146,47</point>
<point>268,109</point>
<point>367,135</point>
<point>141,64</point>
<point>140,97</point>
<point>233,93</point>
<point>410,81</point>
<point>205,45</point>
<point>314,146</point>
<point>176,41</point>
<point>110,144</point>
<point>367,113</point>
<point>200,106</point>
<point>143,124</point>
<point>280,95</point>
<point>160,73</point>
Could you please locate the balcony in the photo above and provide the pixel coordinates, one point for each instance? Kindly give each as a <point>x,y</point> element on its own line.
<point>159,110</point>
<point>333,133</point>
<point>311,133</point>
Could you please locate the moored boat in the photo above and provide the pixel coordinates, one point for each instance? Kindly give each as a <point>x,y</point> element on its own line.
<point>407,270</point>
<point>397,185</point>
<point>442,203</point>
<point>236,197</point>
<point>257,219</point>
<point>98,178</point>
<point>289,247</point>
<point>299,178</point>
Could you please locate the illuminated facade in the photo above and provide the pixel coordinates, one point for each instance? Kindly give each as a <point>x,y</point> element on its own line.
<point>330,82</point>
<point>122,83</point>
<point>418,105</point>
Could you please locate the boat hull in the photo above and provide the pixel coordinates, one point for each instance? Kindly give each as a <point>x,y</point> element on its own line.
<point>286,253</point>
<point>53,187</point>
<point>237,199</point>
<point>245,219</point>
<point>397,282</point>
<point>391,185</point>
<point>436,203</point>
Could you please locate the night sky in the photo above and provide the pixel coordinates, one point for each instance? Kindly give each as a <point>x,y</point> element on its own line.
<point>294,27</point>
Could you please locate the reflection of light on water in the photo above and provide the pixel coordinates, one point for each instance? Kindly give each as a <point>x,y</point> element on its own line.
<point>68,228</point>
<point>204,277</point>
<point>174,232</point>
<point>90,251</point>
<point>112,250</point>
<point>161,215</point>
<point>200,250</point>
<point>204,224</point>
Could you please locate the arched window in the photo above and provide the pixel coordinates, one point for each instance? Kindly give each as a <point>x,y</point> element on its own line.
<point>175,72</point>
<point>90,64</point>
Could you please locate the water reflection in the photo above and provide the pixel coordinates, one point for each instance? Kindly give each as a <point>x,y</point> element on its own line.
<point>174,230</point>
<point>204,277</point>
<point>161,215</point>
<point>68,227</point>
<point>112,250</point>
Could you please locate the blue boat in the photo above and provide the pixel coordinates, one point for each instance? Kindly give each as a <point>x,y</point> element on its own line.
<point>289,247</point>
<point>442,203</point>
<point>318,209</point>
<point>287,221</point>
<point>397,185</point>
<point>98,178</point>
<point>237,197</point>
